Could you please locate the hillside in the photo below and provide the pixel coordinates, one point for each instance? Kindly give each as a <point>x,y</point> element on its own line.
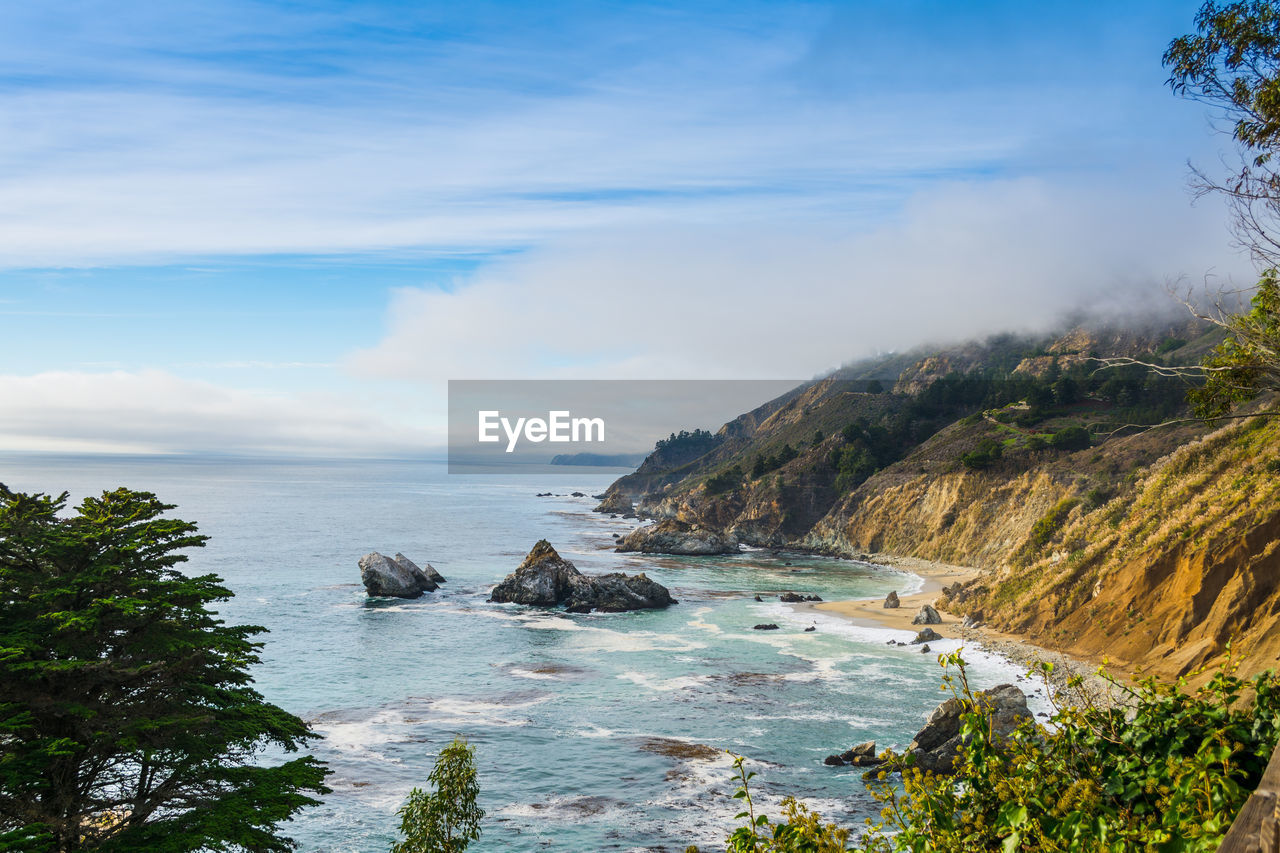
<point>1013,455</point>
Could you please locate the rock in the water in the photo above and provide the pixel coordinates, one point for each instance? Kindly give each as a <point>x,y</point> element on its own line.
<point>813,598</point>
<point>936,745</point>
<point>577,495</point>
<point>758,598</point>
<point>671,536</point>
<point>891,600</point>
<point>614,502</point>
<point>833,761</point>
<point>545,579</point>
<point>927,616</point>
<point>862,755</point>
<point>397,578</point>
<point>427,570</point>
<point>926,635</point>
<point>810,629</point>
<point>924,649</point>
<point>616,592</point>
<point>765,626</point>
<point>790,598</point>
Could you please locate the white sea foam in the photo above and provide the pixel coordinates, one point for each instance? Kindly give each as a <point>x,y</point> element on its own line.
<point>663,685</point>
<point>698,622</point>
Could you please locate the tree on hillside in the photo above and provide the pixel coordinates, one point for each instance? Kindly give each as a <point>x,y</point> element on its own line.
<point>127,719</point>
<point>1232,63</point>
<point>447,819</point>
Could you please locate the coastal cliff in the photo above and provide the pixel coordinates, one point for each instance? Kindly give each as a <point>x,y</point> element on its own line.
<point>1152,547</point>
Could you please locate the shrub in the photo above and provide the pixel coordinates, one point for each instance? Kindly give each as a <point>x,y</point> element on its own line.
<point>987,452</point>
<point>447,819</point>
<point>1165,769</point>
<point>1071,438</point>
<point>1042,531</point>
<point>1096,497</point>
<point>726,480</point>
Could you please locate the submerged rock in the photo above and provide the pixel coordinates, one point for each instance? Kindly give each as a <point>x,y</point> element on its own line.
<point>384,576</point>
<point>927,616</point>
<point>891,600</point>
<point>765,626</point>
<point>671,536</point>
<point>545,579</point>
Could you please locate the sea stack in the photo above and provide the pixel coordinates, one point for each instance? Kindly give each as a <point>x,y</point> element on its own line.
<point>545,579</point>
<point>396,577</point>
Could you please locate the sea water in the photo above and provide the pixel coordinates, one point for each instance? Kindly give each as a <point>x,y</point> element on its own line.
<point>587,728</point>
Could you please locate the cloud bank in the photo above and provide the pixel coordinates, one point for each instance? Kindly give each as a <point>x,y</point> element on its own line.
<point>757,302</point>
<point>157,412</point>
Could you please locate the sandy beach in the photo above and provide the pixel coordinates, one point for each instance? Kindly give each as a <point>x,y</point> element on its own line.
<point>873,611</point>
<point>936,576</point>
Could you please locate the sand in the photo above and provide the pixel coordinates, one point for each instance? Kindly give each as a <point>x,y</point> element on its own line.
<point>872,612</point>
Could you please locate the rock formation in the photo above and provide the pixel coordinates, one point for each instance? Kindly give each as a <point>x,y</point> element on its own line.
<point>891,601</point>
<point>926,635</point>
<point>935,746</point>
<point>545,579</point>
<point>396,577</point>
<point>927,616</point>
<point>427,570</point>
<point>862,755</point>
<point>616,592</point>
<point>671,536</point>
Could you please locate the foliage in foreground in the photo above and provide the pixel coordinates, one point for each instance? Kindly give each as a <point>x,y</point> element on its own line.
<point>127,719</point>
<point>447,819</point>
<point>1166,769</point>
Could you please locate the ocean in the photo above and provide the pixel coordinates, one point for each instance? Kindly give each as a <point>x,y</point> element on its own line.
<point>587,728</point>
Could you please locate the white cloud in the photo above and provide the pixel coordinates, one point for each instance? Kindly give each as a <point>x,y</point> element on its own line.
<point>156,412</point>
<point>755,302</point>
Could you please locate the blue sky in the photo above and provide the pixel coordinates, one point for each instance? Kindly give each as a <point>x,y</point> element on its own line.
<point>265,227</point>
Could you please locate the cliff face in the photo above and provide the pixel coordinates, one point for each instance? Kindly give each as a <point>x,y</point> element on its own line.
<point>1155,549</point>
<point>1164,575</point>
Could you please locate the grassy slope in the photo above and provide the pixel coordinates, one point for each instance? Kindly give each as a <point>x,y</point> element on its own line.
<point>1165,574</point>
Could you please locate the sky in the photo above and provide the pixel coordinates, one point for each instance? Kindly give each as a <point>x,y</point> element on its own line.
<point>282,227</point>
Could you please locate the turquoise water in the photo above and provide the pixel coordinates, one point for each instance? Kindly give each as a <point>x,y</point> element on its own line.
<point>572,716</point>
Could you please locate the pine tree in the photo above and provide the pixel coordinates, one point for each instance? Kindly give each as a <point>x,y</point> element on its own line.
<point>127,716</point>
